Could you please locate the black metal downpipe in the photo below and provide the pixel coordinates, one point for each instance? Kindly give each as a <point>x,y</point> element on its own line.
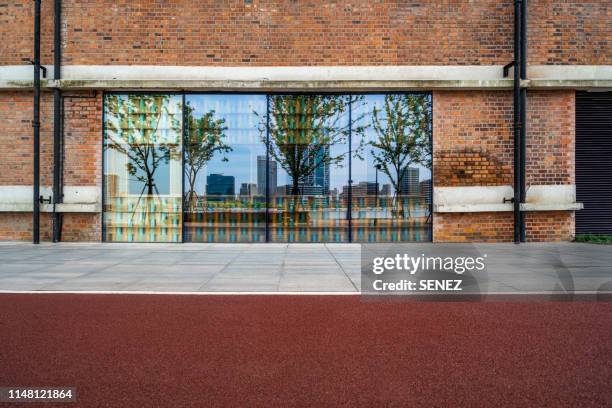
<point>523,116</point>
<point>57,125</point>
<point>517,121</point>
<point>36,126</point>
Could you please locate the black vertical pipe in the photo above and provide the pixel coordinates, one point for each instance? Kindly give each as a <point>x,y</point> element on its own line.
<point>57,126</point>
<point>523,114</point>
<point>36,126</point>
<point>517,121</point>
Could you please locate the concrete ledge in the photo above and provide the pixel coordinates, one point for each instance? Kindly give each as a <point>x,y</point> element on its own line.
<point>48,208</point>
<point>491,198</point>
<point>552,207</point>
<point>471,208</point>
<point>77,199</point>
<point>302,78</point>
<point>578,84</point>
<point>263,86</point>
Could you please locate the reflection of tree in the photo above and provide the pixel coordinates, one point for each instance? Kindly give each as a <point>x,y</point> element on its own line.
<point>301,127</point>
<point>132,124</point>
<point>403,137</point>
<point>205,139</point>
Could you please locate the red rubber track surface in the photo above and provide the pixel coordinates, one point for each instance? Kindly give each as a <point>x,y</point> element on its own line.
<point>164,350</point>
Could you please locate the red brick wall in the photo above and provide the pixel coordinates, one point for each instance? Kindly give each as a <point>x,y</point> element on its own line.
<point>543,226</point>
<point>473,146</point>
<point>473,142</point>
<point>82,158</point>
<point>570,32</point>
<point>18,226</point>
<point>16,138</point>
<point>83,138</point>
<point>17,32</point>
<point>81,227</point>
<point>550,139</point>
<point>308,32</point>
<point>473,227</point>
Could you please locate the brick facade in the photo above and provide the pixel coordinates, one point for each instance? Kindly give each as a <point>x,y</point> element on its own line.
<point>551,132</point>
<point>473,146</point>
<point>285,32</point>
<point>543,226</point>
<point>82,158</point>
<point>473,134</point>
<point>473,227</point>
<point>473,142</point>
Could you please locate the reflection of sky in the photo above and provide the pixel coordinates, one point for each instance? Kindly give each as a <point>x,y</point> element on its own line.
<point>244,136</point>
<point>364,170</point>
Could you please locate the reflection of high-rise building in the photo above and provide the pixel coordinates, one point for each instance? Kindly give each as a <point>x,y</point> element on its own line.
<point>218,184</point>
<point>320,176</point>
<point>261,176</point>
<point>409,182</point>
<point>425,190</point>
<point>248,189</point>
<point>361,189</point>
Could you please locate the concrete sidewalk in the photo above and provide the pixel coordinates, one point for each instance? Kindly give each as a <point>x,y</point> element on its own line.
<point>280,267</point>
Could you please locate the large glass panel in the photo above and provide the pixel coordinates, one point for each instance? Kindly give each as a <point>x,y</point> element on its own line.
<point>142,168</point>
<point>391,168</point>
<point>225,167</point>
<point>308,149</point>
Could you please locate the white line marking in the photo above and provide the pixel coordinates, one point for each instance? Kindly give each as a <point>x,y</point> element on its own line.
<point>136,292</point>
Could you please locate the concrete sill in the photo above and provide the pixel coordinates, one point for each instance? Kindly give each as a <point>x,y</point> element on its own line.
<point>48,208</point>
<point>552,207</point>
<point>472,208</point>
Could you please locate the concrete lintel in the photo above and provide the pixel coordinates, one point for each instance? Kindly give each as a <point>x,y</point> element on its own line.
<point>577,84</point>
<point>263,86</point>
<point>305,78</point>
<point>345,86</point>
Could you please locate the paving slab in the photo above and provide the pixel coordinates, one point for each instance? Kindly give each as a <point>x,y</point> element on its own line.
<point>278,267</point>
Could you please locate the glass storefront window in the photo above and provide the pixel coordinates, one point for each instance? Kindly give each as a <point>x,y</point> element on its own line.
<point>267,168</point>
<point>392,169</point>
<point>308,144</point>
<point>225,198</point>
<point>142,168</point>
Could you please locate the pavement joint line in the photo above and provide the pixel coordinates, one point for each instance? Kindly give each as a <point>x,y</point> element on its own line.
<point>221,270</point>
<point>79,276</point>
<point>342,268</point>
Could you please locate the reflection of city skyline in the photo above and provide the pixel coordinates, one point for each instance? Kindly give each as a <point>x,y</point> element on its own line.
<point>315,184</point>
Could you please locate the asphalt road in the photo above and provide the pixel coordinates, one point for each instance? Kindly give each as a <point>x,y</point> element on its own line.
<point>163,350</point>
